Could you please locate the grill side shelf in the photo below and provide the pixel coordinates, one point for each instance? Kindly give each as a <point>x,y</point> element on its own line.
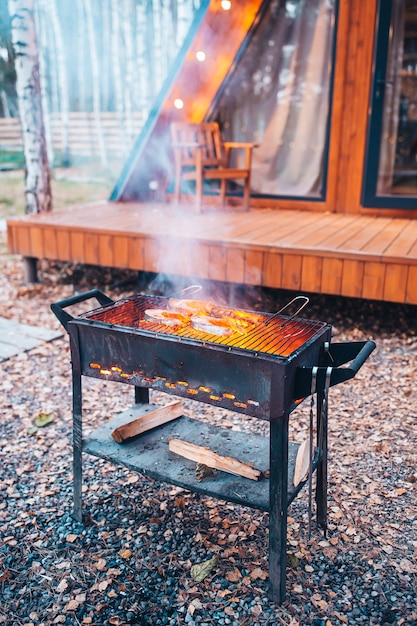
<point>149,455</point>
<point>339,354</point>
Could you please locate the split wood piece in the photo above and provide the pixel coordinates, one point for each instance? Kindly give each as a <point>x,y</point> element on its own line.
<point>202,454</point>
<point>158,416</point>
<point>302,463</point>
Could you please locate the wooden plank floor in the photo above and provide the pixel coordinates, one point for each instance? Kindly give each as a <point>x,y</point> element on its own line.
<point>349,255</point>
<point>16,338</point>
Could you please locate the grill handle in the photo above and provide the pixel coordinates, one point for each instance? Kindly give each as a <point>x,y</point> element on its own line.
<point>355,352</point>
<point>58,307</point>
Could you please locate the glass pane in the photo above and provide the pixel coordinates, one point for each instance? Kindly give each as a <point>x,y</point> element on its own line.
<point>397,171</point>
<point>278,97</point>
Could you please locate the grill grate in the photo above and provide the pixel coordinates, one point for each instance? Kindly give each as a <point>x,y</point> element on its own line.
<point>281,336</point>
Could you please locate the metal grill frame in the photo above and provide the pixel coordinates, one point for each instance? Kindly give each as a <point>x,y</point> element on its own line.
<point>281,381</point>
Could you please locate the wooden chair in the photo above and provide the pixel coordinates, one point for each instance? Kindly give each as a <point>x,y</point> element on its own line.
<point>201,155</point>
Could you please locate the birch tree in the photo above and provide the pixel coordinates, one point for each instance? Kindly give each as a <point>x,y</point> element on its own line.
<point>37,175</point>
<point>129,66</point>
<point>117,76</point>
<point>41,29</point>
<point>62,77</point>
<point>95,78</point>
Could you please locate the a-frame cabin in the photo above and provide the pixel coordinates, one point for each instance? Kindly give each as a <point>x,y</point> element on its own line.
<point>327,90</point>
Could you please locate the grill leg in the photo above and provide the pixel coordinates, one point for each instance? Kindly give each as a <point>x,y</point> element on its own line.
<point>278,503</point>
<point>141,395</point>
<point>77,445</point>
<point>322,444</point>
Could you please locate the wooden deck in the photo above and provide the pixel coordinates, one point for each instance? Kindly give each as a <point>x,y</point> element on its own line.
<point>348,255</point>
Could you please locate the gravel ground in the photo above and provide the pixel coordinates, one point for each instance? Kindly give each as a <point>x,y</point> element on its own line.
<point>131,563</point>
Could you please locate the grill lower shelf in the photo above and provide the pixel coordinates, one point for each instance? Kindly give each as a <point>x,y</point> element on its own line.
<point>149,454</point>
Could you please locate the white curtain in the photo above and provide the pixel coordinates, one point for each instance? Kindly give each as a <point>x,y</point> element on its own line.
<point>280,97</point>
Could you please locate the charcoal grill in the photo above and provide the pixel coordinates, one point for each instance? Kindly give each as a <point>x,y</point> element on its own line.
<point>264,372</point>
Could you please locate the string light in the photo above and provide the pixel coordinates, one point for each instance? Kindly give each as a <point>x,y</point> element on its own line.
<point>226,5</point>
<point>178,103</point>
<point>200,55</point>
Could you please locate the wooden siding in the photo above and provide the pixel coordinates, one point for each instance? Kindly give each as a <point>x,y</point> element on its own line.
<point>348,255</point>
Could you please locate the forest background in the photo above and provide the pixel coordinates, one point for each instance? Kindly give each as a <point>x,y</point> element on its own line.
<point>103,58</point>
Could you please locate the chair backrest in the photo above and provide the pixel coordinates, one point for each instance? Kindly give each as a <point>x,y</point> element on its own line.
<point>188,137</point>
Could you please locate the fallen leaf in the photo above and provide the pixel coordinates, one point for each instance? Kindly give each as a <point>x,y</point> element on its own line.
<point>100,565</point>
<point>125,554</point>
<point>43,419</point>
<point>71,606</point>
<point>292,560</point>
<point>201,570</point>
<point>63,585</point>
<point>71,538</point>
<point>258,573</point>
<point>408,566</point>
<point>234,575</point>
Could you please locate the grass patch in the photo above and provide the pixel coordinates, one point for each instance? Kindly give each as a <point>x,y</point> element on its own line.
<point>70,186</point>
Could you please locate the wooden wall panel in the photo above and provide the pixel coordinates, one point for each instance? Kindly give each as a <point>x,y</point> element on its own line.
<point>136,245</point>
<point>50,243</point>
<point>105,250</point>
<point>253,267</point>
<point>291,271</point>
<point>151,255</point>
<point>235,265</point>
<point>395,287</point>
<point>331,276</point>
<point>373,280</point>
<point>11,240</point>
<point>352,278</point>
<point>411,292</point>
<point>201,260</point>
<point>217,263</point>
<point>174,259</point>
<point>23,241</point>
<point>77,246</point>
<point>91,248</point>
<point>36,242</point>
<point>63,244</point>
<point>120,250</point>
<point>272,270</point>
<point>311,271</point>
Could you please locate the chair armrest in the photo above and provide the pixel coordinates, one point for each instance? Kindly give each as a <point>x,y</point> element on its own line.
<point>247,146</point>
<point>239,144</point>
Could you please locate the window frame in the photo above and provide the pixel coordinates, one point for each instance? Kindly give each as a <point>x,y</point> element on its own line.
<point>370,198</point>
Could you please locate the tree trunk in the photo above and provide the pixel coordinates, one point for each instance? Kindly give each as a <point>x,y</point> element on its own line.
<point>95,78</point>
<point>62,79</point>
<point>117,76</point>
<point>37,175</point>
<point>128,87</point>
<point>42,30</point>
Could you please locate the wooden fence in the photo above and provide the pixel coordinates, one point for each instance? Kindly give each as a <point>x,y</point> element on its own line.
<point>83,138</point>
